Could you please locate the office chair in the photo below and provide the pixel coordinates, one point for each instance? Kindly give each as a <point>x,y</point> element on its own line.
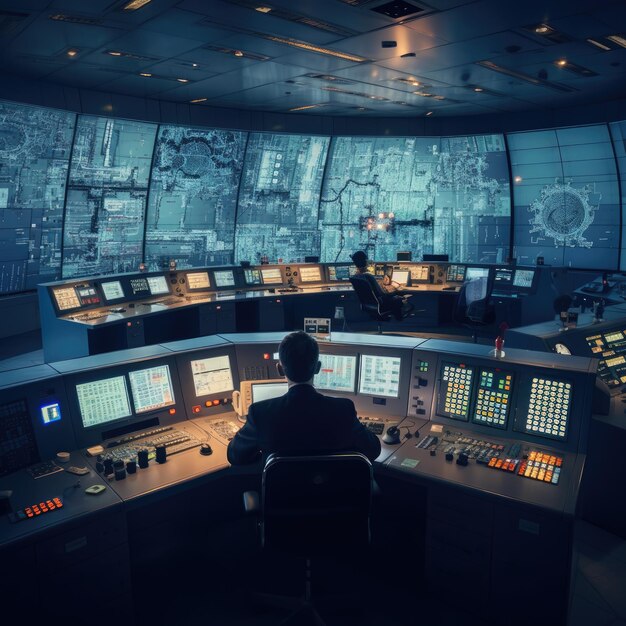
<point>370,303</point>
<point>474,308</point>
<point>312,505</point>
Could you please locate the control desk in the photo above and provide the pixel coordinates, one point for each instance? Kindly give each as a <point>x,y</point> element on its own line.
<point>87,316</point>
<point>498,446</point>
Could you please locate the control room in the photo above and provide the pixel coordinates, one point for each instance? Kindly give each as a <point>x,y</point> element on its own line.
<point>313,312</point>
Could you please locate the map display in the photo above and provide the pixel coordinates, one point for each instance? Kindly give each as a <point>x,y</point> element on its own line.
<point>566,197</point>
<point>193,197</point>
<point>35,146</point>
<point>106,200</point>
<point>278,207</point>
<point>447,195</point>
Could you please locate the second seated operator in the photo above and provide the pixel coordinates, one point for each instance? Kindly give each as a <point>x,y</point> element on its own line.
<point>390,298</point>
<point>302,421</point>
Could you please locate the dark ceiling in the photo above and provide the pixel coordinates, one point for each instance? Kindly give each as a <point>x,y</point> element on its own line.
<point>443,57</point>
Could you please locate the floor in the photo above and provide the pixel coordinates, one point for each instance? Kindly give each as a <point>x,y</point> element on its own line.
<point>599,580</point>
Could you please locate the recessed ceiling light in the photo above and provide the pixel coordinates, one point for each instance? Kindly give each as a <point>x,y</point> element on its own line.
<point>238,53</point>
<point>309,47</point>
<point>133,5</point>
<point>145,74</point>
<point>599,44</point>
<point>542,29</point>
<point>182,80</point>
<point>72,52</point>
<point>198,100</point>
<point>306,107</point>
<point>620,40</point>
<point>561,62</point>
<point>114,53</point>
<point>194,65</point>
<point>478,89</point>
<point>263,9</point>
<point>429,113</point>
<point>439,97</point>
<point>518,179</point>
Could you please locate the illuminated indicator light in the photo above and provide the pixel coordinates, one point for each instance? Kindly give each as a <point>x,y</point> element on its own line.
<point>216,402</point>
<point>542,29</point>
<point>145,74</point>
<point>194,65</point>
<point>72,53</point>
<point>195,409</point>
<point>266,356</point>
<point>198,100</point>
<point>391,215</point>
<point>172,411</point>
<point>478,89</point>
<point>620,40</point>
<point>381,216</point>
<point>182,80</point>
<point>305,107</point>
<point>238,53</point>
<point>129,324</point>
<point>518,179</point>
<point>136,4</point>
<point>263,9</point>
<point>429,113</point>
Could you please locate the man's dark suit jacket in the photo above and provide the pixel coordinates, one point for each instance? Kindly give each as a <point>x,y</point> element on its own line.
<point>301,422</point>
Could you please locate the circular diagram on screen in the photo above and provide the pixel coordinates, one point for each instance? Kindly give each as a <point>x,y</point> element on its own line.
<point>564,213</point>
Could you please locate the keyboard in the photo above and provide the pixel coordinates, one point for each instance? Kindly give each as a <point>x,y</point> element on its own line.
<point>373,424</point>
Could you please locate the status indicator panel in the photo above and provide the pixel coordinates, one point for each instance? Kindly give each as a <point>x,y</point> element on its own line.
<point>158,285</point>
<point>338,373</point>
<point>455,391</point>
<point>152,388</point>
<point>66,298</point>
<point>548,408</point>
<point>493,398</point>
<point>139,286</point>
<point>612,371</point>
<point>310,274</point>
<point>596,344</point>
<point>198,280</point>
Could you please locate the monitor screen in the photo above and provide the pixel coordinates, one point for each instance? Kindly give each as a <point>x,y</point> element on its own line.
<point>400,276</point>
<point>310,274</point>
<point>338,272</point>
<point>548,407</point>
<point>271,275</point>
<point>455,391</point>
<point>88,294</point>
<point>380,375</point>
<point>253,277</point>
<point>198,280</point>
<point>50,412</point>
<point>338,373</point>
<point>503,276</point>
<point>612,370</point>
<point>476,272</point>
<point>151,388</point>
<point>224,278</point>
<point>493,399</point>
<point>212,375</point>
<point>266,391</point>
<point>103,401</point>
<point>455,274</point>
<point>523,278</point>
<point>66,298</point>
<point>420,273</point>
<point>112,290</point>
<point>139,287</point>
<point>158,285</point>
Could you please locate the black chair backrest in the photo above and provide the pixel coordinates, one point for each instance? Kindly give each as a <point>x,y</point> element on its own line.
<point>474,303</point>
<point>315,505</point>
<point>364,291</point>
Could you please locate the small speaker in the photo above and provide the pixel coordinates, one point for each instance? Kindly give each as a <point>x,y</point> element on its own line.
<point>403,256</point>
<point>311,259</point>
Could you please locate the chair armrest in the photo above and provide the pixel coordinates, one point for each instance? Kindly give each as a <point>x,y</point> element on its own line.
<point>251,502</point>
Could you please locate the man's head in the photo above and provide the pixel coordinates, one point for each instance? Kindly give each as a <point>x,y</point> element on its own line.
<point>359,258</point>
<point>299,357</point>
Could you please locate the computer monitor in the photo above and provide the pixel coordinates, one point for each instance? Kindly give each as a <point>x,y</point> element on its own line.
<point>338,273</point>
<point>139,287</point>
<point>103,401</point>
<point>503,276</point>
<point>112,290</point>
<point>420,273</point>
<point>476,272</point>
<point>266,391</point>
<point>523,279</point>
<point>405,255</point>
<point>310,274</point>
<point>158,285</point>
<point>380,375</point>
<point>66,298</point>
<point>212,375</point>
<point>400,276</point>
<point>198,280</point>
<point>455,273</point>
<point>224,278</point>
<point>271,275</point>
<point>338,373</point>
<point>252,277</point>
<point>151,388</point>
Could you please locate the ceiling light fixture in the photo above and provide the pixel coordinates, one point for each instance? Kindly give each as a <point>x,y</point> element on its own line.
<point>309,47</point>
<point>145,74</point>
<point>72,52</point>
<point>561,62</point>
<point>542,29</point>
<point>305,107</point>
<point>194,65</point>
<point>490,65</point>
<point>478,89</point>
<point>518,179</point>
<point>198,100</point>
<point>599,44</point>
<point>182,80</point>
<point>114,53</point>
<point>238,53</point>
<point>263,9</point>
<point>429,113</point>
<point>133,5</point>
<point>620,40</point>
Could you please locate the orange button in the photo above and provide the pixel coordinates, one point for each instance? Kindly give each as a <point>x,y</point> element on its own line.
<point>172,411</point>
<point>195,409</point>
<point>216,402</point>
<point>208,403</point>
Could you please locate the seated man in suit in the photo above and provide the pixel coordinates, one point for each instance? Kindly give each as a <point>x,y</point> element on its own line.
<point>390,298</point>
<point>302,421</point>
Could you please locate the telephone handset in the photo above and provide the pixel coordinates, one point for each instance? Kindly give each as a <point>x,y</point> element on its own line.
<point>242,398</point>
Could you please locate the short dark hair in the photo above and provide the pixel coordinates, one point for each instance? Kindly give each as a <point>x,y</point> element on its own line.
<point>299,355</point>
<point>360,259</point>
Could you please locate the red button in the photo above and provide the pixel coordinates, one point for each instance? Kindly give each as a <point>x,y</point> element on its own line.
<point>172,411</point>
<point>195,409</point>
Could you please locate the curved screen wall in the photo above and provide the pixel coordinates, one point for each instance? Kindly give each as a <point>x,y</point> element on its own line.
<point>85,195</point>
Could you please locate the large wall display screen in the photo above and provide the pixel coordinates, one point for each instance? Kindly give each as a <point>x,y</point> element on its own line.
<point>566,197</point>
<point>106,199</point>
<point>35,145</point>
<point>446,195</point>
<point>193,197</point>
<point>618,133</point>
<point>278,207</point>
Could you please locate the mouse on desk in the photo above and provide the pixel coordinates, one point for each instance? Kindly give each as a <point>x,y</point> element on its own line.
<point>392,436</point>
